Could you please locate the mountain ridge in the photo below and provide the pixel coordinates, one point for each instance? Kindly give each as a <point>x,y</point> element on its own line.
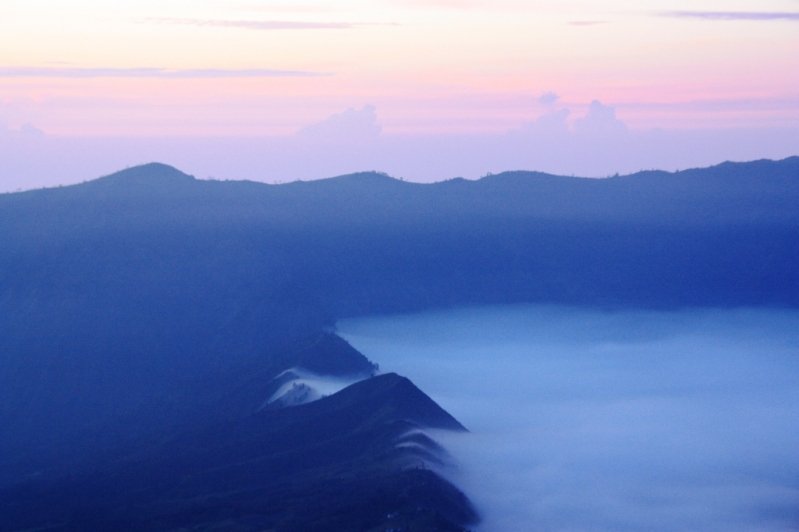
<point>153,173</point>
<point>341,452</point>
<point>723,195</point>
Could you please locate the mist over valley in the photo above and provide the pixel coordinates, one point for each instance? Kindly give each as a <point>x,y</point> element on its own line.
<point>605,419</point>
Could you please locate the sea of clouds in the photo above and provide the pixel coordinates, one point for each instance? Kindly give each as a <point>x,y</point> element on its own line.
<point>587,419</point>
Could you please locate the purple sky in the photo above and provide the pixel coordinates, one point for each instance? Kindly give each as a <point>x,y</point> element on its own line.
<point>425,90</point>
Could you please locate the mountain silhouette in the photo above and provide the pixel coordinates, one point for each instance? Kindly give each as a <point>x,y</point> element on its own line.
<point>334,464</point>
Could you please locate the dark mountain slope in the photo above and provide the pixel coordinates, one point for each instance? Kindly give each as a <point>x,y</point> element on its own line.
<point>71,403</point>
<point>329,465</point>
<point>147,303</point>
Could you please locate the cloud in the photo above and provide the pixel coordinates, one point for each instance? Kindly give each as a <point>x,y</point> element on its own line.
<point>23,132</point>
<point>734,15</point>
<point>149,72</point>
<point>600,120</point>
<point>287,7</point>
<point>447,4</point>
<point>720,104</point>
<point>551,125</point>
<point>549,98</point>
<point>598,123</point>
<point>584,419</point>
<point>587,22</point>
<point>30,131</point>
<point>352,125</point>
<point>266,25</point>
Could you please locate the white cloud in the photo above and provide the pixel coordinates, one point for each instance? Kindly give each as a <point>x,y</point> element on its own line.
<point>548,99</point>
<point>734,15</point>
<point>600,120</point>
<point>349,126</point>
<point>148,72</point>
<point>265,25</point>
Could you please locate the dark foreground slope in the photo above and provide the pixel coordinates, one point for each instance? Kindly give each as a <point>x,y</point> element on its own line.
<point>147,304</point>
<point>334,464</point>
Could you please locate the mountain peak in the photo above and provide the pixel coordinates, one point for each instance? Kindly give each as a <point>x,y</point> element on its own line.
<point>149,175</point>
<point>522,177</point>
<point>364,178</point>
<point>397,397</point>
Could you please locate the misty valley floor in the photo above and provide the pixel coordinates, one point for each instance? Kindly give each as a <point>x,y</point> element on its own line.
<point>610,420</point>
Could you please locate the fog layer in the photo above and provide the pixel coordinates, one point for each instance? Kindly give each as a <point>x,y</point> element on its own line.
<point>600,420</point>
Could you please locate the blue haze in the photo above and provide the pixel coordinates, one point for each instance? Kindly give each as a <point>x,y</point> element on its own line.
<point>610,420</point>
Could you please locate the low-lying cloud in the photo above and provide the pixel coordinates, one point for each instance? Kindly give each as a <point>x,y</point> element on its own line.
<point>264,25</point>
<point>734,15</point>
<point>351,126</point>
<point>587,23</point>
<point>622,420</point>
<point>149,72</point>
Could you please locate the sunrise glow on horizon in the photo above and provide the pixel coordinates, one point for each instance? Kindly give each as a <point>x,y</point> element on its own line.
<point>274,91</point>
<point>214,68</point>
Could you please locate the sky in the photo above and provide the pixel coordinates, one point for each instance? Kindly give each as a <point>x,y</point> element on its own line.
<point>160,78</point>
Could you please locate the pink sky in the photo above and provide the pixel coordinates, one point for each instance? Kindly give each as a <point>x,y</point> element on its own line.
<point>431,69</point>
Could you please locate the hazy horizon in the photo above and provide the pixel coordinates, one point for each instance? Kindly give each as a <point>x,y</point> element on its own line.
<point>290,163</point>
<point>277,91</point>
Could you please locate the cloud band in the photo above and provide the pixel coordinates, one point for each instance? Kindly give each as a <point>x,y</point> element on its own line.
<point>147,72</point>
